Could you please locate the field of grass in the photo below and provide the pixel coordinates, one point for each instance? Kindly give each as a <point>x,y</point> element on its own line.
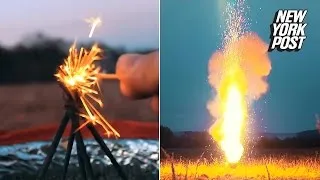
<point>285,165</point>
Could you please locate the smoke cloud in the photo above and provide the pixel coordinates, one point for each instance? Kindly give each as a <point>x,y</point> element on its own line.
<point>252,58</point>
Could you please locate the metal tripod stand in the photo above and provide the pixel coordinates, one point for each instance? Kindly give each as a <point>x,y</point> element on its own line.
<point>72,114</point>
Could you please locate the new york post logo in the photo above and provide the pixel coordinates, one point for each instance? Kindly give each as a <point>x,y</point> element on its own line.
<point>288,30</point>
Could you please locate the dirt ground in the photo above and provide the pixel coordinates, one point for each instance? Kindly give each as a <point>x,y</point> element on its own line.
<point>41,106</point>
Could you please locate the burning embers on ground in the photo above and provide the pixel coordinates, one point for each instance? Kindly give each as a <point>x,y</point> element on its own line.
<point>238,74</point>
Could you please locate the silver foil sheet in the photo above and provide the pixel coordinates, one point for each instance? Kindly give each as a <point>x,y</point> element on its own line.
<point>138,158</point>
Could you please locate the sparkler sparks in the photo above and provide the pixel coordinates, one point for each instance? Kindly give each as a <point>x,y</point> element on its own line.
<point>79,79</point>
<point>231,91</point>
<point>94,22</point>
<point>237,72</point>
<point>79,76</point>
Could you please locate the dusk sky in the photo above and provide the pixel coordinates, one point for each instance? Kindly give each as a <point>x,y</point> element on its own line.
<point>190,33</point>
<point>132,24</point>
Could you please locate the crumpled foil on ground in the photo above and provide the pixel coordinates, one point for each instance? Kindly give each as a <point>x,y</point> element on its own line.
<point>139,159</point>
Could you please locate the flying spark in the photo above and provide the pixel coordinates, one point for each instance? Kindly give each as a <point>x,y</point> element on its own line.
<point>94,22</point>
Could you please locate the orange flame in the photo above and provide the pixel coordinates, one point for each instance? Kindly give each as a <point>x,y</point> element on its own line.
<point>237,73</point>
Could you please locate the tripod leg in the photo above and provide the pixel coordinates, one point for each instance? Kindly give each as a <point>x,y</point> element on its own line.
<point>82,149</point>
<point>81,163</point>
<point>80,159</point>
<point>53,146</point>
<point>69,149</point>
<point>106,150</point>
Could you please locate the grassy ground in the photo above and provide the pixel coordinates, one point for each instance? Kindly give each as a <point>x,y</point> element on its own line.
<point>281,166</point>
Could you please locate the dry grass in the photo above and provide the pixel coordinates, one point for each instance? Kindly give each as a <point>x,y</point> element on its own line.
<point>23,106</point>
<point>256,168</point>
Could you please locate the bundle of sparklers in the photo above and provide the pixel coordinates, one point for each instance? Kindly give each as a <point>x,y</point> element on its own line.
<point>79,78</point>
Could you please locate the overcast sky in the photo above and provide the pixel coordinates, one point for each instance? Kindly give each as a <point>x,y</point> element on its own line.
<point>190,33</point>
<point>133,24</point>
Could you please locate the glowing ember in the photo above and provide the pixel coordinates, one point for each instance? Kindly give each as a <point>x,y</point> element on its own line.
<point>79,75</point>
<point>94,22</point>
<point>237,73</point>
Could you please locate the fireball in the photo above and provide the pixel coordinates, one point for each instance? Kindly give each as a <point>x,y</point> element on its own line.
<point>232,101</point>
<point>238,74</point>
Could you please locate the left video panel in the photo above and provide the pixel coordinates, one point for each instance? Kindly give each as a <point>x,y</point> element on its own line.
<point>79,88</point>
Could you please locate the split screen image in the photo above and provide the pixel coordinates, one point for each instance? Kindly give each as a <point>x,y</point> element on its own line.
<point>170,89</point>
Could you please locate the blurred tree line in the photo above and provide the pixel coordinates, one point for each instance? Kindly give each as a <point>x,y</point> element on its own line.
<point>36,58</point>
<point>190,139</point>
<point>306,139</point>
<point>171,140</point>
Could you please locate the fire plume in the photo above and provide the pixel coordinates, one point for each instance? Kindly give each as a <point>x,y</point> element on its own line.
<point>238,74</point>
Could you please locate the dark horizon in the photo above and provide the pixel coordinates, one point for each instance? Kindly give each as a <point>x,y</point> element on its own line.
<point>35,60</point>
<point>36,36</point>
<point>278,133</point>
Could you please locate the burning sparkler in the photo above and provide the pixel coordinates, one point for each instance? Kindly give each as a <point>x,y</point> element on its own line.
<point>79,75</point>
<point>79,78</point>
<point>94,22</point>
<point>237,73</point>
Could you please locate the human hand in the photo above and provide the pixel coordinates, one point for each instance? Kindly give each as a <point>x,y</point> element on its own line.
<point>139,76</point>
